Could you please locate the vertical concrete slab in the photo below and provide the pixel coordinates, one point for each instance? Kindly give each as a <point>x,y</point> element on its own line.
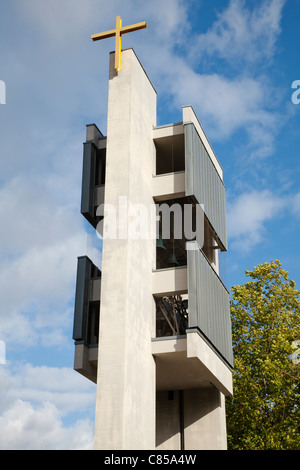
<point>204,419</point>
<point>125,402</point>
<point>167,421</point>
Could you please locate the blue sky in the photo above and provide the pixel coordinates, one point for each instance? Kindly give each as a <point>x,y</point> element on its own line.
<point>234,62</point>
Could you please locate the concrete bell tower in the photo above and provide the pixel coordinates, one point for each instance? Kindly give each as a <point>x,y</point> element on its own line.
<point>152,327</point>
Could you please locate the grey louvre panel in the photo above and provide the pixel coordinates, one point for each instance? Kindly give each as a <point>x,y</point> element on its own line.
<point>209,308</point>
<point>88,178</point>
<point>204,183</point>
<point>87,302</point>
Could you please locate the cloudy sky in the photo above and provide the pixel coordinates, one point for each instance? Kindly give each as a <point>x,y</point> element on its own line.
<point>234,61</point>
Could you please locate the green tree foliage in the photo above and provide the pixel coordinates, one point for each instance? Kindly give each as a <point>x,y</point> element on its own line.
<point>264,411</point>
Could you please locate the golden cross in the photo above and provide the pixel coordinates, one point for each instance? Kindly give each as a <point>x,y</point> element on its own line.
<point>118,33</point>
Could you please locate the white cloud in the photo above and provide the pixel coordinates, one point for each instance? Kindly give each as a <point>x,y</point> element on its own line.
<point>51,72</point>
<point>226,103</point>
<point>239,32</point>
<point>247,216</point>
<point>295,204</point>
<point>62,23</point>
<point>42,235</point>
<point>24,427</point>
<point>34,403</point>
<point>223,104</point>
<point>35,290</point>
<point>34,213</point>
<point>67,390</point>
<point>167,20</point>
<point>66,27</point>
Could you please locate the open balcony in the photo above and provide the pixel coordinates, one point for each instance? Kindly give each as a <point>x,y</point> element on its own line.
<point>192,347</point>
<point>186,166</point>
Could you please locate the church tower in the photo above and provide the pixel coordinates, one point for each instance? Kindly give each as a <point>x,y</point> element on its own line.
<point>152,325</point>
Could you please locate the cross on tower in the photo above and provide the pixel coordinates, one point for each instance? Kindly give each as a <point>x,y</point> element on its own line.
<point>118,32</point>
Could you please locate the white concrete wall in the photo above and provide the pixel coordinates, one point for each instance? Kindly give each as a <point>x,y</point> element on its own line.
<point>169,281</point>
<point>169,186</point>
<point>126,388</point>
<point>204,420</point>
<point>167,421</point>
<point>125,403</point>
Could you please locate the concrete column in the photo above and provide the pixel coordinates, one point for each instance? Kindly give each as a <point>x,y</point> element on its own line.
<point>168,421</point>
<point>204,419</point>
<point>125,402</point>
<point>197,422</point>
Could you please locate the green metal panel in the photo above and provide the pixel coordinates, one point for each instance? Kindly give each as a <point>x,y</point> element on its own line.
<point>209,308</point>
<point>204,183</point>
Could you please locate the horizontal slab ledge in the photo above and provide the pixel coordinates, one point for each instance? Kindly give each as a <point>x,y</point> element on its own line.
<point>169,281</point>
<point>185,362</point>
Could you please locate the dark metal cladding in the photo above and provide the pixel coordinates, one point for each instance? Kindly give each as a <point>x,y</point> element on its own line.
<point>88,177</point>
<point>87,302</point>
<point>93,177</point>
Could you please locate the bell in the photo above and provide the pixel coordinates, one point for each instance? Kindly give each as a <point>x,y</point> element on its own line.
<point>159,243</point>
<point>173,260</point>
